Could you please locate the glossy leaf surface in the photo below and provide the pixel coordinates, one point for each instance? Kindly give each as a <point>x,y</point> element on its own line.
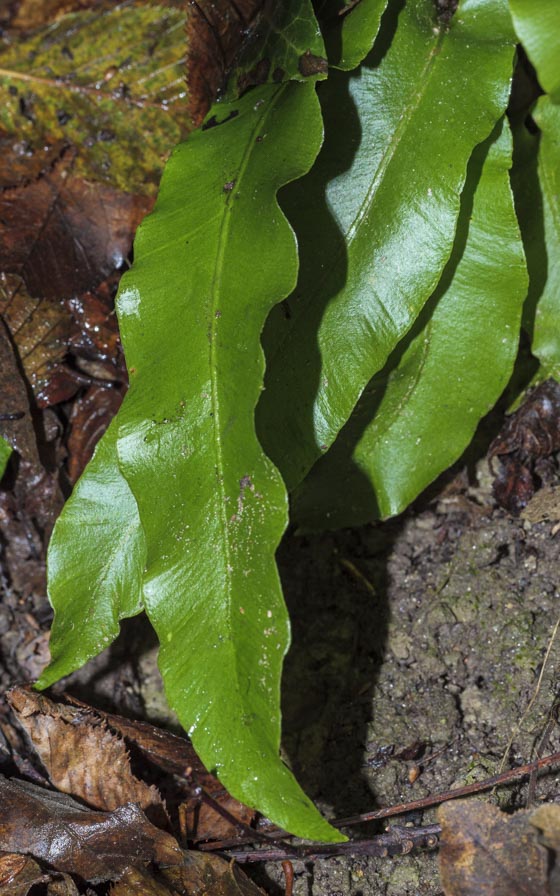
<point>350,29</point>
<point>5,451</point>
<point>214,257</point>
<point>417,416</point>
<point>210,261</point>
<point>376,217</point>
<point>95,564</point>
<point>537,23</point>
<point>546,334</point>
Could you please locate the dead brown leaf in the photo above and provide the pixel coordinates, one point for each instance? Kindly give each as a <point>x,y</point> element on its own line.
<point>34,13</point>
<point>547,820</point>
<point>216,32</point>
<point>82,757</point>
<point>485,851</point>
<point>201,873</point>
<point>525,445</point>
<point>175,755</point>
<point>62,234</point>
<point>19,874</point>
<point>40,329</point>
<point>90,416</point>
<point>96,846</point>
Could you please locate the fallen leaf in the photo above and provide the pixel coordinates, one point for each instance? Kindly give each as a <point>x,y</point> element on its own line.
<point>96,846</point>
<point>18,874</point>
<point>82,757</point>
<point>215,34</point>
<point>201,874</point>
<point>135,882</point>
<point>34,13</point>
<point>257,40</point>
<point>547,820</point>
<point>526,442</point>
<point>64,235</point>
<point>175,755</point>
<point>96,80</point>
<point>485,851</point>
<point>89,418</point>
<point>544,505</point>
<point>40,329</point>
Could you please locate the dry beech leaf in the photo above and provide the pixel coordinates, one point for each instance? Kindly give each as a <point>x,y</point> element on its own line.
<point>96,846</point>
<point>82,757</point>
<point>485,851</point>
<point>175,755</point>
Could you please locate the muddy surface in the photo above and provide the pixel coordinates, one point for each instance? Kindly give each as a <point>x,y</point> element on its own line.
<point>417,650</point>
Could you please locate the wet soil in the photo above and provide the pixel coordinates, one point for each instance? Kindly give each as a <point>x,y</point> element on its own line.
<point>417,650</point>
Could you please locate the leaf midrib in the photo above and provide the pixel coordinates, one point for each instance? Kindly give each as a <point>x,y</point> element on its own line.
<point>215,401</point>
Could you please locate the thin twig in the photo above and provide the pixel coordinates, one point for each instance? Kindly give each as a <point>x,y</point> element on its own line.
<point>444,796</point>
<point>398,841</point>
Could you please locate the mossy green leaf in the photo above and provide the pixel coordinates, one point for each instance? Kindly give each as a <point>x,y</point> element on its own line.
<point>537,23</point>
<point>546,328</point>
<point>5,451</point>
<point>95,563</point>
<point>104,82</point>
<point>376,217</point>
<point>416,417</point>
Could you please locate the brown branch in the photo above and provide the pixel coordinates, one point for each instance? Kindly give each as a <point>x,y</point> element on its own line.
<point>437,798</point>
<point>398,841</point>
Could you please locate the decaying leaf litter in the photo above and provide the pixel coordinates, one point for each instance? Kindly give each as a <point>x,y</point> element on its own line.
<point>95,363</point>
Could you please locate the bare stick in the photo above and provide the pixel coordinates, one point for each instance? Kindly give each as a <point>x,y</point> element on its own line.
<point>398,841</point>
<point>437,798</point>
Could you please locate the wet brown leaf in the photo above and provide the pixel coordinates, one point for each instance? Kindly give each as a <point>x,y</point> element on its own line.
<point>63,235</point>
<point>96,846</point>
<point>20,166</point>
<point>95,332</point>
<point>90,416</point>
<point>40,329</point>
<point>82,757</point>
<point>524,447</point>
<point>175,755</point>
<point>484,851</point>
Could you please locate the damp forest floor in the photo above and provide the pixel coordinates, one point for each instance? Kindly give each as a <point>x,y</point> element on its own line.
<point>418,645</point>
